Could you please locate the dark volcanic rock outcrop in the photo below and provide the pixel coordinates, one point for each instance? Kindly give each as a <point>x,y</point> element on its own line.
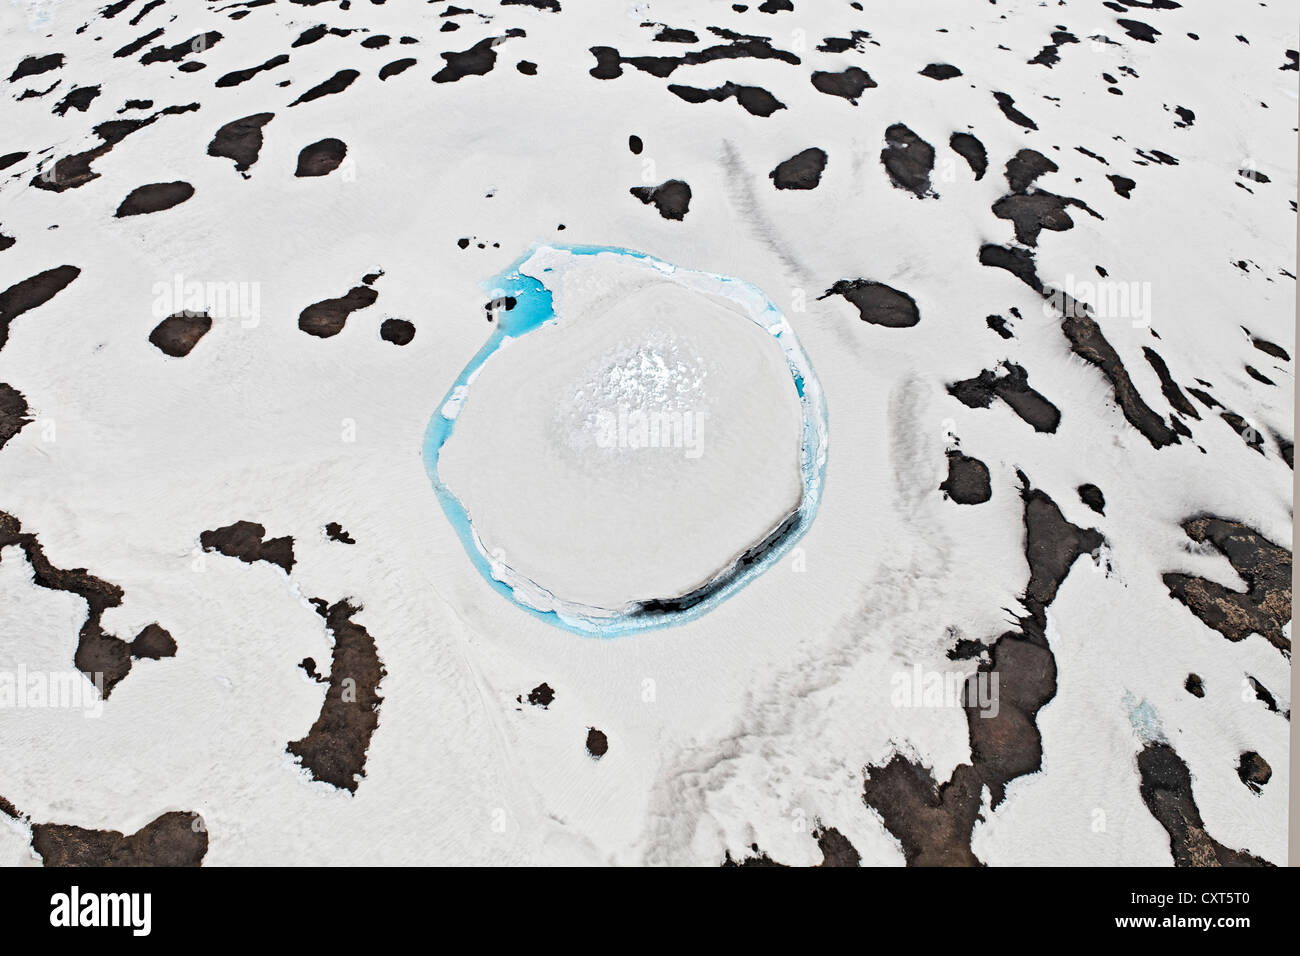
<point>755,100</point>
<point>13,412</point>
<point>671,198</point>
<point>933,821</point>
<point>972,150</point>
<point>968,480</point>
<point>397,331</point>
<point>801,171</point>
<point>103,658</point>
<point>240,140</point>
<point>908,159</point>
<point>334,750</point>
<point>244,540</point>
<point>1166,789</point>
<point>27,294</point>
<point>327,317</point>
<point>850,83</point>
<point>1012,386</point>
<point>154,197</point>
<point>179,838</point>
<point>321,158</point>
<point>877,303</point>
<point>1263,608</point>
<point>177,334</point>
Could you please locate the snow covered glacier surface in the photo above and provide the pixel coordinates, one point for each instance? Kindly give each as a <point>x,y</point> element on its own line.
<point>657,440</point>
<point>903,182</point>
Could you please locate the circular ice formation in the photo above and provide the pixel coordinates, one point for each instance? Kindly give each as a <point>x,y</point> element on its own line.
<point>644,440</point>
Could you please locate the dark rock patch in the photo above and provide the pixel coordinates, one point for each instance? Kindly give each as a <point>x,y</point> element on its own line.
<point>941,71</point>
<point>877,303</point>
<point>668,34</point>
<point>75,170</point>
<point>1254,771</point>
<point>327,317</point>
<point>334,531</point>
<point>174,54</point>
<point>1024,169</point>
<point>36,65</point>
<point>396,67</point>
<point>1049,55</point>
<point>1263,608</point>
<point>103,658</point>
<point>933,821</point>
<point>153,643</point>
<point>1263,695</point>
<point>999,325</point>
<point>79,99</point>
<point>1091,496</point>
<point>397,331</point>
<point>754,99</point>
<point>1123,185</point>
<point>1019,262</point>
<point>1006,104</point>
<point>803,170</point>
<point>850,83</point>
<point>13,413</point>
<point>334,750</point>
<point>1168,387</point>
<point>836,849</point>
<point>476,61</point>
<point>1088,342</point>
<point>671,198</point>
<point>178,838</point>
<point>597,743</point>
<point>1268,348</point>
<point>244,540</point>
<point>235,77</point>
<point>138,44</point>
<point>1012,386</point>
<point>1166,790</point>
<point>908,159</point>
<point>1031,213</point>
<point>154,197</point>
<point>240,140</point>
<point>321,158</point>
<point>1259,376</point>
<point>1248,432</point>
<point>759,859</point>
<point>1194,685</point>
<point>1139,30</point>
<point>610,63</point>
<point>541,696</point>
<point>968,480</point>
<point>972,150</point>
<point>177,334</point>
<point>337,83</point>
<point>27,294</point>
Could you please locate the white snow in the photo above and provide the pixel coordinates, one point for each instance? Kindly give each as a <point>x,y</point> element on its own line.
<point>754,722</point>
